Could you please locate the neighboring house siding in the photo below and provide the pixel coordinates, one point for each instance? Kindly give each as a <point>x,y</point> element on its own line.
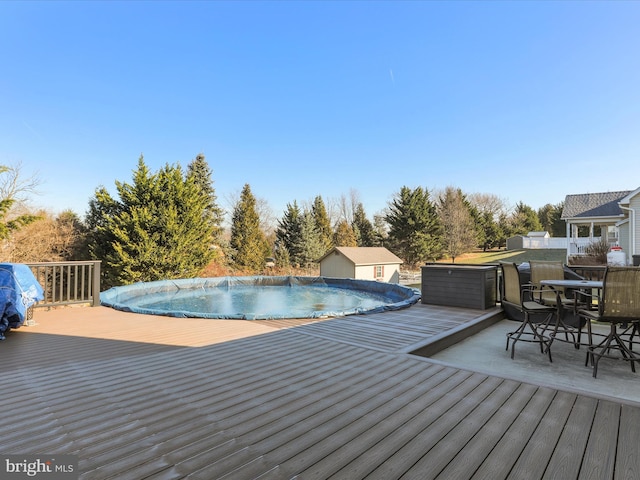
<point>623,230</point>
<point>336,265</point>
<point>635,205</point>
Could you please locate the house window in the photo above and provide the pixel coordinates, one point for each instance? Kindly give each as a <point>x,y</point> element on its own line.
<point>378,271</point>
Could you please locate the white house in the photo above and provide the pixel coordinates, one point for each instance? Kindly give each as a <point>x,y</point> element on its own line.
<point>614,216</point>
<point>363,263</point>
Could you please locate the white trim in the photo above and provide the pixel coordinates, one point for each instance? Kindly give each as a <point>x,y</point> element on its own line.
<point>627,199</point>
<point>632,228</point>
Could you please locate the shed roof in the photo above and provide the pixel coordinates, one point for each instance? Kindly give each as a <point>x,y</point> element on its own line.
<point>365,255</point>
<point>585,205</point>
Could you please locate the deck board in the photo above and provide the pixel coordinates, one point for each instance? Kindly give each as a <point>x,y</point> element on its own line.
<point>516,427</point>
<point>497,417</point>
<point>627,458</point>
<point>599,456</point>
<point>307,399</point>
<point>566,459</point>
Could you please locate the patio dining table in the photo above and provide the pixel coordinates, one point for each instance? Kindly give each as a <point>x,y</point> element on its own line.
<point>574,284</point>
<point>582,286</point>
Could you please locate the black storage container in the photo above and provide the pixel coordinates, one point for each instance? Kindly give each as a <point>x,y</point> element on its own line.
<point>468,286</point>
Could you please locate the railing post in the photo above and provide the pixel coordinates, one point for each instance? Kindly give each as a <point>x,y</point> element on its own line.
<point>95,287</point>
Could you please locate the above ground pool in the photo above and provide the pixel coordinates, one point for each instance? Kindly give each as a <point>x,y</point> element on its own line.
<point>254,298</point>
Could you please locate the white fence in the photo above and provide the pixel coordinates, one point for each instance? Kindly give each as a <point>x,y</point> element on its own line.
<point>541,242</point>
<point>575,246</point>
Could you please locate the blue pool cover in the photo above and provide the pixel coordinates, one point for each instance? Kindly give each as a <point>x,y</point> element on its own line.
<point>259,297</point>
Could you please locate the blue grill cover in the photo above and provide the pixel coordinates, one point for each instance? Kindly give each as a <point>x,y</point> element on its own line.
<point>19,290</point>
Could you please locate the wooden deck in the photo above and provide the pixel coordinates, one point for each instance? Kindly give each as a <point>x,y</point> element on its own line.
<point>162,398</point>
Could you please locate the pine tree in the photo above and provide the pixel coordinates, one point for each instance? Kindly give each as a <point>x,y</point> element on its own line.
<point>289,234</point>
<point>248,242</point>
<point>157,230</point>
<point>491,235</point>
<point>524,220</point>
<point>551,219</point>
<point>199,169</point>
<point>380,234</point>
<point>345,236</point>
<point>414,230</point>
<point>281,256</point>
<point>363,227</point>
<point>322,223</point>
<point>312,245</point>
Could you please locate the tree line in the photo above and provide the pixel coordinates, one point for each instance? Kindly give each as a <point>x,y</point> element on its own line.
<point>169,224</point>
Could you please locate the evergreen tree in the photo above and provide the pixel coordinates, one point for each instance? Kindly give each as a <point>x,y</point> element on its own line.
<point>490,208</point>
<point>558,225</point>
<point>322,223</point>
<point>380,235</point>
<point>551,219</point>
<point>345,236</point>
<point>157,230</point>
<point>313,246</point>
<point>282,258</point>
<point>201,173</point>
<point>524,220</point>
<point>289,234</point>
<point>248,242</point>
<point>459,229</point>
<point>504,229</point>
<point>491,235</point>
<point>99,237</point>
<point>365,233</point>
<point>414,230</point>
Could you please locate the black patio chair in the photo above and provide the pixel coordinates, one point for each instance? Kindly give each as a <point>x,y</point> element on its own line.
<point>619,306</point>
<point>563,301</point>
<point>522,297</point>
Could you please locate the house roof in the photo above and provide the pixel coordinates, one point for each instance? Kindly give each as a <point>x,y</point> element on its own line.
<point>627,198</point>
<point>585,205</point>
<point>365,255</point>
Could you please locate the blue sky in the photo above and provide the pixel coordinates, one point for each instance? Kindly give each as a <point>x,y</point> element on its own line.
<point>529,101</point>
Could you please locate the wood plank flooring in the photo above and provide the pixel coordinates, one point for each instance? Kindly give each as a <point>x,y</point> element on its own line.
<point>336,398</point>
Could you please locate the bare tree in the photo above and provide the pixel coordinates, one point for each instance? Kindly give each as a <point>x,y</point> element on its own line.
<point>348,205</point>
<point>459,233</point>
<point>16,186</point>
<point>49,239</point>
<point>488,203</point>
<point>14,192</point>
<point>333,211</point>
